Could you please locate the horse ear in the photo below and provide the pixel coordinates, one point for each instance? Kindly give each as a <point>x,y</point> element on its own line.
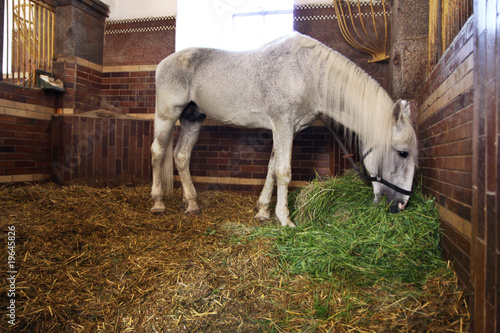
<point>405,106</point>
<point>397,111</point>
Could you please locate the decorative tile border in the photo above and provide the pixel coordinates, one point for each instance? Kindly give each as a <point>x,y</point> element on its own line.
<point>334,17</point>
<point>137,30</point>
<point>330,8</point>
<point>315,18</point>
<point>330,5</point>
<point>140,25</point>
<point>145,19</point>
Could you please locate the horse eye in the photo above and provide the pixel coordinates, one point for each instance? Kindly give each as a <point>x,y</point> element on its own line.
<point>403,154</point>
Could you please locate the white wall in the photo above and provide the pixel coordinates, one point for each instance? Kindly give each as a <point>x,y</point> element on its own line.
<point>129,9</point>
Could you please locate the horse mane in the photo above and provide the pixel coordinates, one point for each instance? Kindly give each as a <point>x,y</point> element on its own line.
<point>354,99</point>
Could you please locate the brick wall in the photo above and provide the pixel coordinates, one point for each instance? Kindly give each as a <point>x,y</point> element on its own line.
<point>83,83</point>
<point>24,149</point>
<point>319,21</point>
<point>132,50</point>
<point>26,112</point>
<point>78,53</point>
<point>89,86</point>
<point>144,41</point>
<point>228,158</point>
<point>129,90</point>
<point>445,142</point>
<point>24,133</point>
<point>102,152</point>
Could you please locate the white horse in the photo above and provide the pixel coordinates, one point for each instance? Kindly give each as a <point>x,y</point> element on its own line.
<point>282,86</point>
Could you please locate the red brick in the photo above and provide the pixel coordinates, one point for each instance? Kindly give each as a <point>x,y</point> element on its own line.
<point>7,118</point>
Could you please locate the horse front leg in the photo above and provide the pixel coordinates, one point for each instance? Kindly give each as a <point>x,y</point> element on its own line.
<point>283,148</point>
<point>267,192</point>
<point>182,155</point>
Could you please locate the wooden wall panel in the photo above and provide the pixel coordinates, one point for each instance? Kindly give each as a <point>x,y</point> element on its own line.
<point>445,128</point>
<point>486,170</point>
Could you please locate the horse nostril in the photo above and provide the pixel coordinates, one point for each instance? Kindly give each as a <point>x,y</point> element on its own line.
<point>397,206</point>
<point>394,207</point>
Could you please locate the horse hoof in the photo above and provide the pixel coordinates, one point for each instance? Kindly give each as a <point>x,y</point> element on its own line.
<point>193,212</point>
<point>157,210</point>
<point>262,218</point>
<point>288,224</point>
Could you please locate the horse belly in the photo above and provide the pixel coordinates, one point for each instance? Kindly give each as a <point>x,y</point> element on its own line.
<point>247,90</point>
<point>233,102</point>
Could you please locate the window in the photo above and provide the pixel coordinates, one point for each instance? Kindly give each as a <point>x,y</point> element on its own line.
<point>28,40</point>
<point>232,24</point>
<point>252,29</point>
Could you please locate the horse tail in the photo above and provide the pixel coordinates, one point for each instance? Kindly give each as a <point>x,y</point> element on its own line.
<point>167,168</point>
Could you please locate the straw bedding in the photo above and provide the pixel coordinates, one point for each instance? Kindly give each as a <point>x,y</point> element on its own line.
<point>96,260</point>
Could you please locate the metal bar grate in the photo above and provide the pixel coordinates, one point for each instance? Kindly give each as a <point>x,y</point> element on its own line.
<point>361,28</point>
<point>28,40</point>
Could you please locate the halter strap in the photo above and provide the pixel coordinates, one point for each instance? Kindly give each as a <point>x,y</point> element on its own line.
<point>363,174</point>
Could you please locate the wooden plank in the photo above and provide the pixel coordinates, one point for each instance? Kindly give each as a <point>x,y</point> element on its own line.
<point>458,82</point>
<point>2,14</point>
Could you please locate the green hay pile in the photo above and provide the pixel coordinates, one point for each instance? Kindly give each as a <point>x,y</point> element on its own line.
<point>342,233</point>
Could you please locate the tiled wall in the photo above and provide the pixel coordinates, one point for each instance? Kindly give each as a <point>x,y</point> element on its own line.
<point>445,142</point>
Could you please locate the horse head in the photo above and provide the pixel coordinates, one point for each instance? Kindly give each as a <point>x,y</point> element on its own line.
<point>392,168</point>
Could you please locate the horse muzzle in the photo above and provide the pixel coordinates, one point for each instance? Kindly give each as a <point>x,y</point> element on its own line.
<point>397,202</point>
<point>397,206</point>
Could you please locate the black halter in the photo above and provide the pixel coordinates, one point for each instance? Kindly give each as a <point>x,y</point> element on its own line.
<point>363,174</point>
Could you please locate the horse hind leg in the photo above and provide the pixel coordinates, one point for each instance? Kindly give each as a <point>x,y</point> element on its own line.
<point>189,135</point>
<point>161,160</point>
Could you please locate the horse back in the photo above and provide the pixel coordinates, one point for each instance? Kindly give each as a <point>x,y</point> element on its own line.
<point>252,88</point>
